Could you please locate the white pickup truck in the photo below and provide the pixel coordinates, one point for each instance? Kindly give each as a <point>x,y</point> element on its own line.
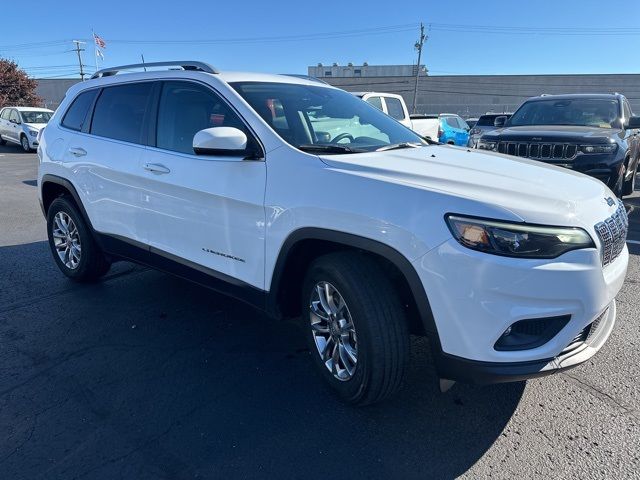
<point>395,106</point>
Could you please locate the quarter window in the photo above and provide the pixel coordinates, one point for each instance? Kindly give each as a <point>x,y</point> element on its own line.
<point>375,101</point>
<point>5,114</point>
<point>78,111</point>
<point>394,107</point>
<point>120,110</point>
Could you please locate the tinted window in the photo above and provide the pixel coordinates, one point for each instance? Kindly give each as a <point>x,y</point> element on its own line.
<point>186,108</point>
<point>486,120</point>
<point>375,101</point>
<point>5,114</point>
<point>394,107</point>
<point>119,112</point>
<point>77,112</point>
<point>461,123</point>
<point>592,112</point>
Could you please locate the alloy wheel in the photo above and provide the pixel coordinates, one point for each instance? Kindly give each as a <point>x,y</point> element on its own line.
<point>333,331</point>
<point>66,240</point>
<point>25,144</point>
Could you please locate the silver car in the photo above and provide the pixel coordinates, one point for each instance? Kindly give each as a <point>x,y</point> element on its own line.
<point>21,125</point>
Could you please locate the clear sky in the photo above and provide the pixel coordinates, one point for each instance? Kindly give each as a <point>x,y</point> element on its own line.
<point>465,37</point>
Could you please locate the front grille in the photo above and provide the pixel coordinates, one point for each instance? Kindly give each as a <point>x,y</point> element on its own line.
<point>586,333</point>
<point>613,234</point>
<point>539,151</point>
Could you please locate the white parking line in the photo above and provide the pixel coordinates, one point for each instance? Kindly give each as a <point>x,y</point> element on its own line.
<point>635,242</point>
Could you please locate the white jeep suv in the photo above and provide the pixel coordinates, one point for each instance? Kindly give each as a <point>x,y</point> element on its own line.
<point>305,201</point>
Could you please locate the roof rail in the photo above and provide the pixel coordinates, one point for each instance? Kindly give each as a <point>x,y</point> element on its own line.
<point>186,65</point>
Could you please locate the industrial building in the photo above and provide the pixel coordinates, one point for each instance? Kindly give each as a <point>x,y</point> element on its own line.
<point>471,95</point>
<point>466,95</point>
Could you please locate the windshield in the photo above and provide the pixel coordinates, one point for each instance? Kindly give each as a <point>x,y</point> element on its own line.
<point>329,120</point>
<point>36,117</point>
<point>588,112</point>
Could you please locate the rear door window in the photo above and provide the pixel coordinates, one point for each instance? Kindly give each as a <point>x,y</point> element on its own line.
<point>13,116</point>
<point>5,114</point>
<point>120,112</point>
<point>79,110</point>
<point>394,108</point>
<point>452,122</point>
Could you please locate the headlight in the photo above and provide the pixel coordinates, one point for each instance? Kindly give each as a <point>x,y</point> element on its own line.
<point>516,239</point>
<point>598,148</point>
<point>33,133</point>
<point>486,145</point>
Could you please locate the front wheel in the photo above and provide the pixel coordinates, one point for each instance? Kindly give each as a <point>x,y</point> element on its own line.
<point>356,327</point>
<point>630,185</point>
<point>24,141</point>
<point>72,245</point>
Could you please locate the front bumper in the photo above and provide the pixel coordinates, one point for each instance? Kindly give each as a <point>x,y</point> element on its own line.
<point>475,297</point>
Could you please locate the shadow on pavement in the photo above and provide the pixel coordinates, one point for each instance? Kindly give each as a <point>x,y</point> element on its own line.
<point>144,376</point>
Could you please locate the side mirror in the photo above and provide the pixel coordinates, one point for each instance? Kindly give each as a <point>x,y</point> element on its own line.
<point>633,122</point>
<point>227,141</point>
<point>500,121</point>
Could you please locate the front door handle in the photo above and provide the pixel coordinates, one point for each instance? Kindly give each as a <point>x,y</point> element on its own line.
<point>156,168</point>
<point>77,152</point>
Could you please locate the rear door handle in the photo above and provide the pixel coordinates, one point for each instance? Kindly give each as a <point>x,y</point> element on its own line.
<point>77,152</point>
<point>156,168</point>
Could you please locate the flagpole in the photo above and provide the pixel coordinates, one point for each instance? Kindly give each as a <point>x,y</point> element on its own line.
<point>95,49</point>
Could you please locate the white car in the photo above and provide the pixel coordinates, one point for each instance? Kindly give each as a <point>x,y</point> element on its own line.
<point>395,106</point>
<point>21,125</point>
<point>235,181</point>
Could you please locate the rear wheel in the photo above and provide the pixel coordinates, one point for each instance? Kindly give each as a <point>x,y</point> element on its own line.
<point>72,245</point>
<point>24,141</point>
<point>357,330</point>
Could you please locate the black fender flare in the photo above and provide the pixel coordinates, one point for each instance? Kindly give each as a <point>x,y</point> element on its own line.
<point>366,245</point>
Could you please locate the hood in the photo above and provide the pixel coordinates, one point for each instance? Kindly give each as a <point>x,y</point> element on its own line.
<point>553,133</point>
<point>35,126</point>
<point>532,191</point>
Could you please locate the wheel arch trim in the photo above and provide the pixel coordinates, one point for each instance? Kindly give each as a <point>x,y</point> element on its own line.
<point>364,244</point>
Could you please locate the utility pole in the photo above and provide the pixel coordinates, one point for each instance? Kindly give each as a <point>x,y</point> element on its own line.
<point>78,50</point>
<point>418,46</point>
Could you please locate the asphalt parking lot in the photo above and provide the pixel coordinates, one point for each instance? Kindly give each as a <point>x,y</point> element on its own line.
<point>146,376</point>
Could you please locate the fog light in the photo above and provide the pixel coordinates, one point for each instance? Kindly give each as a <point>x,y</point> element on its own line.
<point>530,333</point>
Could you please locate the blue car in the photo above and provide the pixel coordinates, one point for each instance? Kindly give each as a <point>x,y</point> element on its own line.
<point>453,130</point>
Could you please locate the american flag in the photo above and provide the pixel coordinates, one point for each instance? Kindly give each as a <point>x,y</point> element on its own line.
<point>99,41</point>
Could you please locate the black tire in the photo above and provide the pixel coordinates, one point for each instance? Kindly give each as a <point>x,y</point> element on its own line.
<point>378,317</point>
<point>92,263</point>
<point>26,149</point>
<point>630,185</point>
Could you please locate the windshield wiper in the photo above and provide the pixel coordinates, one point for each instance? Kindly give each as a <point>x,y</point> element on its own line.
<point>396,146</point>
<point>328,148</point>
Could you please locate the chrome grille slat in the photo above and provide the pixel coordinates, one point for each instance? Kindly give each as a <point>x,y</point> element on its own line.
<point>612,233</point>
<point>539,150</point>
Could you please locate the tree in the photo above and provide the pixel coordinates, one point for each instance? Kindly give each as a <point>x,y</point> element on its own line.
<point>16,88</point>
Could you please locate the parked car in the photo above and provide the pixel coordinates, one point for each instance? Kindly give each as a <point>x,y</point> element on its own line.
<point>484,124</point>
<point>21,125</point>
<point>302,200</point>
<point>592,134</point>
<point>391,104</point>
<point>395,106</point>
<point>471,122</point>
<point>453,130</point>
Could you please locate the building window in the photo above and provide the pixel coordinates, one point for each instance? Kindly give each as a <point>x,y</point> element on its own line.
<point>357,72</point>
<point>327,73</point>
